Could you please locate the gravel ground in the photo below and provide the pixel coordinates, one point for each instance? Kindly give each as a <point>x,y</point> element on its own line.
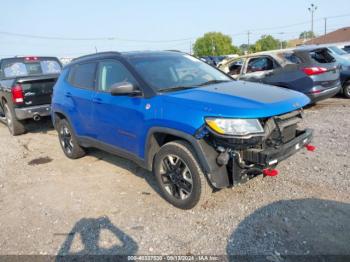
<point>102,204</point>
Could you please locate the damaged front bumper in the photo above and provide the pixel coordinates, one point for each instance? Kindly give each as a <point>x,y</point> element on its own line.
<point>271,156</point>
<point>233,161</point>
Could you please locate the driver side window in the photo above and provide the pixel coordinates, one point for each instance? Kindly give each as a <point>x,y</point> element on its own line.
<point>235,67</point>
<point>112,72</point>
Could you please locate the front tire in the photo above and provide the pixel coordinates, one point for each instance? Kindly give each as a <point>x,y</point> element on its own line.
<point>179,175</point>
<point>15,127</point>
<point>68,140</point>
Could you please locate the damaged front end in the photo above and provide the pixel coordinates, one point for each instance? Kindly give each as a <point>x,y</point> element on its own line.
<point>235,159</point>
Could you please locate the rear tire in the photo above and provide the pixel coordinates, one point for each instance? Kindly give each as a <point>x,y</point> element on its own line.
<point>68,140</point>
<point>346,90</point>
<point>15,126</point>
<point>179,175</point>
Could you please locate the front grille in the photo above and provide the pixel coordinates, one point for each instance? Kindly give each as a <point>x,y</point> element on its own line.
<point>289,133</point>
<point>284,128</point>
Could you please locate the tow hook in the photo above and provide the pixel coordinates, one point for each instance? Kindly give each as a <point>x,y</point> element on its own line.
<point>270,172</point>
<point>310,147</point>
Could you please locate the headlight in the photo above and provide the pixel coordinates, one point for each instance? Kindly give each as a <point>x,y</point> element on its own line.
<point>235,127</point>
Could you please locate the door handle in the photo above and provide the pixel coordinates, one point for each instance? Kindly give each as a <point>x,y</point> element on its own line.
<point>97,100</point>
<point>68,94</point>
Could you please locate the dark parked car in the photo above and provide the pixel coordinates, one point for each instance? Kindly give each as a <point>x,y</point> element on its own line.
<point>337,51</point>
<point>347,48</point>
<point>312,71</point>
<point>25,89</point>
<point>173,114</point>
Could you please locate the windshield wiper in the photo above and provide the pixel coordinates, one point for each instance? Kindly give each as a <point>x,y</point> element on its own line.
<point>213,82</point>
<point>176,88</point>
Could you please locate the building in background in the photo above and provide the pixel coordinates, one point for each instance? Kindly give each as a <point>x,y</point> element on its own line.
<point>339,36</point>
<point>296,42</point>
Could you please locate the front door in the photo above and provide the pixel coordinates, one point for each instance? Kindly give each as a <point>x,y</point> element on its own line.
<point>119,120</point>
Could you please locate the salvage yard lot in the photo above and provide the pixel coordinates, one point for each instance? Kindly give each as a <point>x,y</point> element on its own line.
<point>104,204</point>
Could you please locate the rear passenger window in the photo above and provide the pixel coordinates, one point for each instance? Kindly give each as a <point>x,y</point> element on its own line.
<point>260,64</point>
<point>112,72</point>
<point>83,75</point>
<point>322,56</point>
<point>291,58</point>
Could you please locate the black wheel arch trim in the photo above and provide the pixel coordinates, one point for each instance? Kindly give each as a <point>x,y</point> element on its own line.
<point>205,153</point>
<point>54,118</point>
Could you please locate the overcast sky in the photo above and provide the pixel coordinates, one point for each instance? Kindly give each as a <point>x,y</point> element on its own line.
<point>152,24</point>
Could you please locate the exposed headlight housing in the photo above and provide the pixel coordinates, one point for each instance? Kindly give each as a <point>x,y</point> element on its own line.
<point>235,127</point>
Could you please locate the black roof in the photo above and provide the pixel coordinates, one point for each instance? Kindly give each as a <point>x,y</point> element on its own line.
<point>127,54</point>
<point>96,55</point>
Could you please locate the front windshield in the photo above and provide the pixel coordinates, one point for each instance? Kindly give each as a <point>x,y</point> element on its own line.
<point>337,50</point>
<point>169,71</point>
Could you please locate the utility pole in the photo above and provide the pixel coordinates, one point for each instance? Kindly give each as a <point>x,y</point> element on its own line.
<point>248,41</point>
<point>325,25</point>
<point>312,9</point>
<point>212,47</point>
<point>281,41</point>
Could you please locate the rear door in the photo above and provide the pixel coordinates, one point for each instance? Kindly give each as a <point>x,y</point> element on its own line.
<point>290,75</point>
<point>79,95</point>
<point>258,69</point>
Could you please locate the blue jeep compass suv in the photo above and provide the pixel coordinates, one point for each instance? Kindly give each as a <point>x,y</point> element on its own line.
<point>193,126</point>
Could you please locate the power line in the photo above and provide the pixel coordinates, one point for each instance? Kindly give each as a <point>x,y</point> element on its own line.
<point>279,27</point>
<point>337,16</point>
<point>296,24</point>
<point>92,38</point>
<point>114,38</point>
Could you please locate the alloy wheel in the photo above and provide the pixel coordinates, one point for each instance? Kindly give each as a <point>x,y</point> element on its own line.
<point>176,177</point>
<point>66,139</point>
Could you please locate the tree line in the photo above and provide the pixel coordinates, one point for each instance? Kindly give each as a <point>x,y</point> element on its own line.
<point>216,44</point>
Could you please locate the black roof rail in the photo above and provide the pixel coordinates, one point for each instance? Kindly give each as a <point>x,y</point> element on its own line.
<point>97,54</point>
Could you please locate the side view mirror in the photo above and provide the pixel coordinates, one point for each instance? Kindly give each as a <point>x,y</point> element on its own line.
<point>124,88</point>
